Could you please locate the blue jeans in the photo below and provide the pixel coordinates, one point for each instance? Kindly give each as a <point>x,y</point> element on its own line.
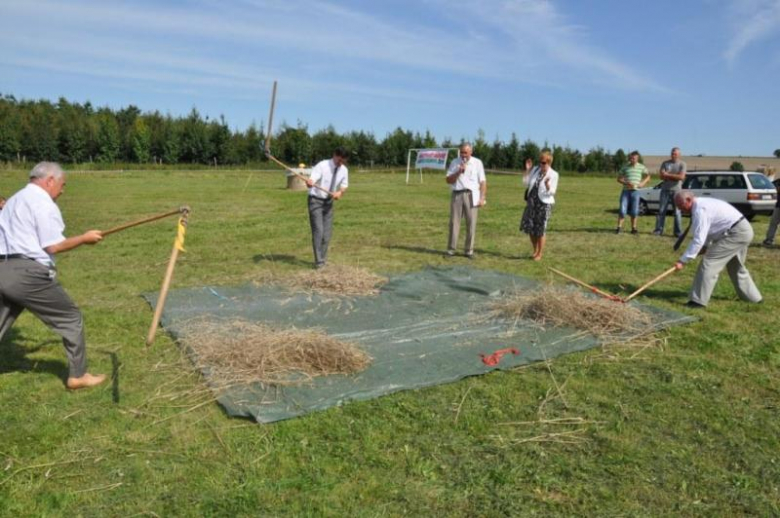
<point>629,203</point>
<point>666,198</point>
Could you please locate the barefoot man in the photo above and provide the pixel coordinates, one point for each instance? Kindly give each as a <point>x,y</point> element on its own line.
<point>31,233</point>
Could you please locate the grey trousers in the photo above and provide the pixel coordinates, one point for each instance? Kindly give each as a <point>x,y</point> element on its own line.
<point>321,221</point>
<point>460,206</point>
<point>772,230</point>
<point>727,252</point>
<point>26,284</point>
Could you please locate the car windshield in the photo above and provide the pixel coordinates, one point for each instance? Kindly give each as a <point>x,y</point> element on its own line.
<point>759,181</point>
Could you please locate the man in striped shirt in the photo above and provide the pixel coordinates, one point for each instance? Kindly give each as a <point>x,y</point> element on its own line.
<point>633,176</point>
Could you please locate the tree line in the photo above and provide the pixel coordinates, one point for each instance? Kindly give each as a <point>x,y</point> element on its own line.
<point>69,132</point>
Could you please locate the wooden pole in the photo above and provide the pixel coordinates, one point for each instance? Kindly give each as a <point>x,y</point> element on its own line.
<point>145,220</point>
<point>586,285</point>
<point>323,189</point>
<point>177,245</point>
<point>270,121</point>
<point>648,284</point>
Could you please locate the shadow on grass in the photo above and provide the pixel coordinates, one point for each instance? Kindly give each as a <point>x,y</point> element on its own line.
<point>115,366</point>
<point>281,258</point>
<point>14,358</point>
<point>459,255</point>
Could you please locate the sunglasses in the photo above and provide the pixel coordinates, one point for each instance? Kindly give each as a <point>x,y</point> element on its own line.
<point>544,162</point>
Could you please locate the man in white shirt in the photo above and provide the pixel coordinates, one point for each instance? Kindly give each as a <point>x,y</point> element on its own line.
<point>726,235</point>
<point>31,233</point>
<point>327,176</point>
<point>466,177</point>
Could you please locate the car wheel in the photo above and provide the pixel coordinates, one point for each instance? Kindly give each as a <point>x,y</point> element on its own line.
<point>643,208</point>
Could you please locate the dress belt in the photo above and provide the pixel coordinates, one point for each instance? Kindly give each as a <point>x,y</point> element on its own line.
<point>461,191</point>
<point>12,256</point>
<point>737,222</point>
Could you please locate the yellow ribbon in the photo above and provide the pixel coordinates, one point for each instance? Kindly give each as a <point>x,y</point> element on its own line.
<point>182,229</point>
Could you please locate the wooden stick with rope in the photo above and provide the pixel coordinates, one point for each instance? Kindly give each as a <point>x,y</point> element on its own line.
<point>178,246</point>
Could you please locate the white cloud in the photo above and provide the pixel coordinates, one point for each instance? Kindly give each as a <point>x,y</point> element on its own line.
<point>243,43</point>
<point>752,21</point>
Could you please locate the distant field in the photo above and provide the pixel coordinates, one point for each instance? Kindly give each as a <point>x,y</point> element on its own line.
<point>714,162</point>
<point>685,426</point>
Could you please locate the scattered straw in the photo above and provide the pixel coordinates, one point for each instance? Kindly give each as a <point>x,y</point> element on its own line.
<point>332,280</point>
<point>239,352</point>
<point>559,307</point>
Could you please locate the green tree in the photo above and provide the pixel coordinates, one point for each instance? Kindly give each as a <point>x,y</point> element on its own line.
<point>394,148</point>
<point>736,166</point>
<point>195,146</point>
<point>777,153</point>
<point>171,141</point>
<point>108,142</point>
<point>529,149</point>
<point>481,148</point>
<point>294,145</point>
<point>619,159</point>
<point>324,142</point>
<point>363,146</point>
<point>141,139</point>
<point>9,130</point>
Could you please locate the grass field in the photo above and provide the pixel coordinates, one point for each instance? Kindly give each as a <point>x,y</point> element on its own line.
<point>688,427</point>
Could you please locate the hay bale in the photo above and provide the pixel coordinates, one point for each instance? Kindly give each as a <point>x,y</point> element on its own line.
<point>334,280</point>
<point>240,352</point>
<point>559,307</point>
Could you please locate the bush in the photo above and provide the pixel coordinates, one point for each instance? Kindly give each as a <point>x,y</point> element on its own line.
<point>736,166</point>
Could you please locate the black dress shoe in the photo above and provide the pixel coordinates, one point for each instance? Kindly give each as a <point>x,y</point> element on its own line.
<point>696,305</point>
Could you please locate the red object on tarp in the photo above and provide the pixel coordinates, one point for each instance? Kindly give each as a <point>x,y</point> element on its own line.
<point>493,359</point>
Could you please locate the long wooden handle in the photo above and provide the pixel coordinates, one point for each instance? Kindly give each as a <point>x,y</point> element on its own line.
<point>648,284</point>
<point>163,295</point>
<point>585,285</point>
<point>142,221</point>
<point>323,189</point>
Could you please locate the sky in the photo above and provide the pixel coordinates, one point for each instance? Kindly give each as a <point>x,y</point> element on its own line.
<point>700,74</point>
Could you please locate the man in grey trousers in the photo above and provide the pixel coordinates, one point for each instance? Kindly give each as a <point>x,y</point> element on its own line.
<point>726,235</point>
<point>31,233</point>
<point>327,176</point>
<point>672,173</point>
<point>466,176</point>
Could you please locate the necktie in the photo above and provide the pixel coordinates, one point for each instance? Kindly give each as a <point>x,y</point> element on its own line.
<point>333,179</point>
<point>682,236</point>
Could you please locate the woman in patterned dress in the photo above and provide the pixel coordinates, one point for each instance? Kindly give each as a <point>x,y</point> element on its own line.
<point>541,182</point>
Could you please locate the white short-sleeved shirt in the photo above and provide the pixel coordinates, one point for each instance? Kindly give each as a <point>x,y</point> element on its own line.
<point>322,174</point>
<point>473,175</point>
<point>30,222</point>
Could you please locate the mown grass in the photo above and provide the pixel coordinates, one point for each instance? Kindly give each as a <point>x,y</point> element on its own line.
<point>689,428</point>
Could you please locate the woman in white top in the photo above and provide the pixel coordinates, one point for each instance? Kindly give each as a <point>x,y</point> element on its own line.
<point>541,182</point>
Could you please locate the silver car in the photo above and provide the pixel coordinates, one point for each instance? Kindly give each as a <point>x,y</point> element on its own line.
<point>749,192</point>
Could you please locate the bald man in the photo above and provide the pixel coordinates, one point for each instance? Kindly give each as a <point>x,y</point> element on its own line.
<point>726,234</point>
<point>31,233</point>
<point>466,177</point>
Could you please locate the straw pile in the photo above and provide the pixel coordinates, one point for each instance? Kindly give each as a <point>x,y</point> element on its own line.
<point>240,352</point>
<point>558,307</point>
<point>334,280</point>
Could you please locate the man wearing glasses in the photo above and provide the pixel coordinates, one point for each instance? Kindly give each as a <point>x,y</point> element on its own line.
<point>466,177</point>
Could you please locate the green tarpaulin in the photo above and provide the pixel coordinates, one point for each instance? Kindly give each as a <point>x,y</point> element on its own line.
<point>422,329</point>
